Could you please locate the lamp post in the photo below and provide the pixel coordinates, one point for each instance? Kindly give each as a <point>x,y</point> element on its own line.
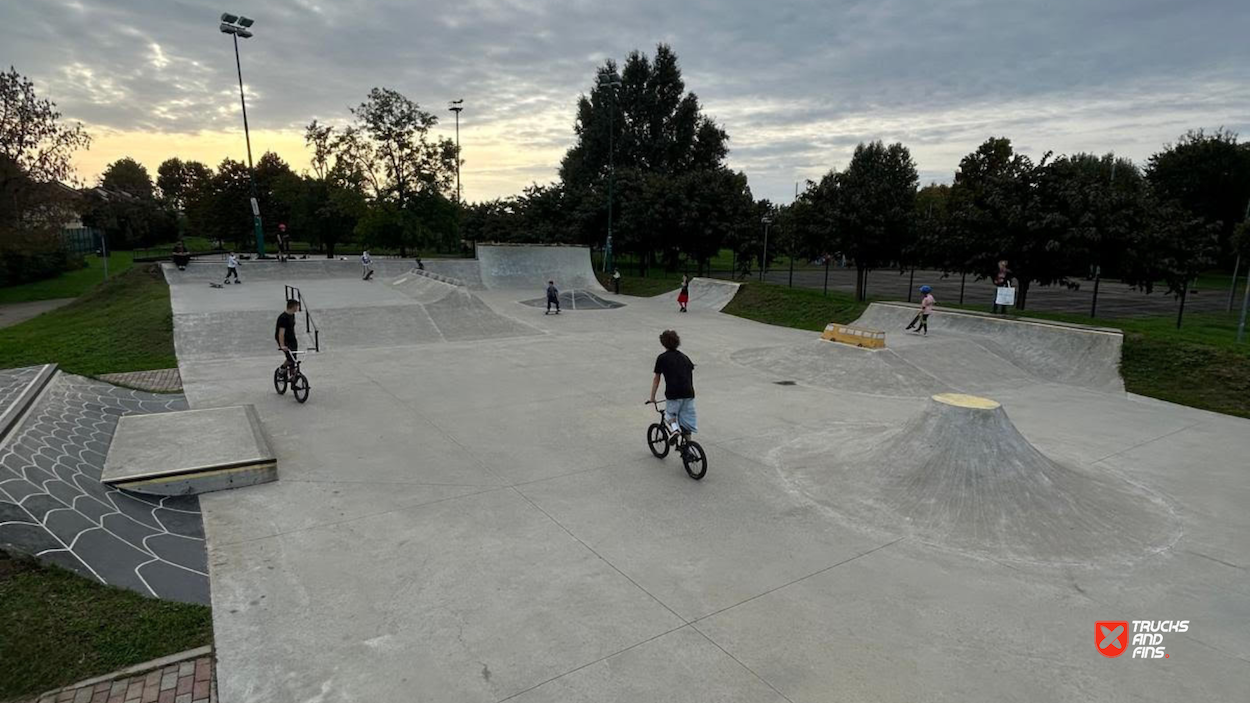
<point>457,106</point>
<point>611,81</point>
<point>766,220</point>
<point>238,26</point>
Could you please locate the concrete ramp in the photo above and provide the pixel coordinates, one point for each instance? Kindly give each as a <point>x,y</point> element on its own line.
<point>961,476</point>
<point>205,272</point>
<point>1076,355</point>
<point>189,452</point>
<point>709,293</point>
<point>529,267</point>
<point>576,300</point>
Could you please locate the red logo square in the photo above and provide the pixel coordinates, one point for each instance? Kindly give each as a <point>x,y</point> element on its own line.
<point>1111,637</point>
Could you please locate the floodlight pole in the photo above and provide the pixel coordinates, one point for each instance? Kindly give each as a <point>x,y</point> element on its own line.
<point>611,82</point>
<point>247,136</point>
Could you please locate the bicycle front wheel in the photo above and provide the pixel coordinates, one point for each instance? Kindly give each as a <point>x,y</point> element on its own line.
<point>279,380</point>
<point>657,439</point>
<point>299,386</point>
<point>695,460</point>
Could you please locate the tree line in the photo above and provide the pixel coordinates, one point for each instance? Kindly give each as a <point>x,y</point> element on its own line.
<point>647,158</point>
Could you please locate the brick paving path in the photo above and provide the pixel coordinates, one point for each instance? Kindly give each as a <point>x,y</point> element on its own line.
<point>158,381</point>
<point>192,680</point>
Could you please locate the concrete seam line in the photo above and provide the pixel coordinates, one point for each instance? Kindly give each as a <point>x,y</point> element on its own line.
<point>739,662</point>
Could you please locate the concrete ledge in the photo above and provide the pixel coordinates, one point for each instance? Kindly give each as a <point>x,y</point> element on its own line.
<point>13,414</point>
<point>190,452</point>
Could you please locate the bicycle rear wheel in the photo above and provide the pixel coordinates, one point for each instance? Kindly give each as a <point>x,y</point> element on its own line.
<point>299,386</point>
<point>694,459</point>
<point>279,380</point>
<point>657,439</point>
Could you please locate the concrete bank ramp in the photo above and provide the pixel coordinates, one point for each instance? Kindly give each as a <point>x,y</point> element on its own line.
<point>707,293</point>
<point>960,476</point>
<point>529,267</point>
<point>407,309</point>
<point>1076,355</point>
<point>203,272</point>
<point>576,300</point>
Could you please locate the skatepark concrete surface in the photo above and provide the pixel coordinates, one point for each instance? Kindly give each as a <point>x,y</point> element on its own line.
<point>480,519</point>
<point>706,293</point>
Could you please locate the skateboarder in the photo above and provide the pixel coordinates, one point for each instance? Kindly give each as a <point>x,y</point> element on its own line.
<point>232,268</point>
<point>366,266</point>
<point>926,309</point>
<point>283,244</point>
<point>677,370</point>
<point>684,296</point>
<point>616,281</point>
<point>420,265</point>
<point>553,297</point>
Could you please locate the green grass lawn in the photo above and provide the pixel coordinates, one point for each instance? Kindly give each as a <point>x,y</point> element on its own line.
<point>801,308</point>
<point>122,325</point>
<point>1200,365</point>
<point>60,627</point>
<point>71,284</point>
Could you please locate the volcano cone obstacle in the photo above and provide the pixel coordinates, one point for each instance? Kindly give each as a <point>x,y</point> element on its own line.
<point>961,475</point>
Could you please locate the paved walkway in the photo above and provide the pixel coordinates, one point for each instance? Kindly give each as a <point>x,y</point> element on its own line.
<point>157,381</point>
<point>13,313</point>
<point>189,679</point>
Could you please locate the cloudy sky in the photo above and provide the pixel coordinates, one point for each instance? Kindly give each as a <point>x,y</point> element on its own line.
<point>796,84</point>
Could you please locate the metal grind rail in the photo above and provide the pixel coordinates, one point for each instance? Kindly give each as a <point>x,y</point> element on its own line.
<point>310,327</point>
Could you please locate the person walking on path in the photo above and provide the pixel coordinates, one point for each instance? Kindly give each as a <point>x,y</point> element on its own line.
<point>1002,279</point>
<point>616,281</point>
<point>684,296</point>
<point>926,309</point>
<point>677,370</point>
<point>232,268</point>
<point>553,297</point>
<point>366,266</point>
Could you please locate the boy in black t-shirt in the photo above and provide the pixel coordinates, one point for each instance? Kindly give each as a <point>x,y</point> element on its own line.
<point>678,373</point>
<point>284,332</point>
<point>553,297</point>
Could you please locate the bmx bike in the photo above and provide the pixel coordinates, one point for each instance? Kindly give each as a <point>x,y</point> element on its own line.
<point>661,439</point>
<point>291,375</point>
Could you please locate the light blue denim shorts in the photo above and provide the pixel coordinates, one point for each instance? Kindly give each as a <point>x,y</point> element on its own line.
<point>683,410</point>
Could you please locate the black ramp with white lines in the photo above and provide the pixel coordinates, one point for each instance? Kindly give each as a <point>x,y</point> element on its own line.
<point>53,505</point>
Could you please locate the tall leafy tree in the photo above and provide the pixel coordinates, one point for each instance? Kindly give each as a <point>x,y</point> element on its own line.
<point>1208,174</point>
<point>656,134</point>
<point>176,180</point>
<point>126,175</point>
<point>32,135</point>
<point>1174,246</point>
<point>876,207</point>
<point>36,147</point>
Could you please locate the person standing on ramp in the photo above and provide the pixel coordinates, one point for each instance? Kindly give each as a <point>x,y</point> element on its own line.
<point>553,297</point>
<point>677,370</point>
<point>926,309</point>
<point>684,296</point>
<point>366,266</point>
<point>232,268</point>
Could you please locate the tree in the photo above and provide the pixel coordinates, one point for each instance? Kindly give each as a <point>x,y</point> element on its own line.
<point>1208,175</point>
<point>126,175</point>
<point>32,136</point>
<point>875,211</point>
<point>654,131</point>
<point>400,146</point>
<point>1174,247</point>
<point>177,180</point>
<point>35,153</point>
<point>995,195</point>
